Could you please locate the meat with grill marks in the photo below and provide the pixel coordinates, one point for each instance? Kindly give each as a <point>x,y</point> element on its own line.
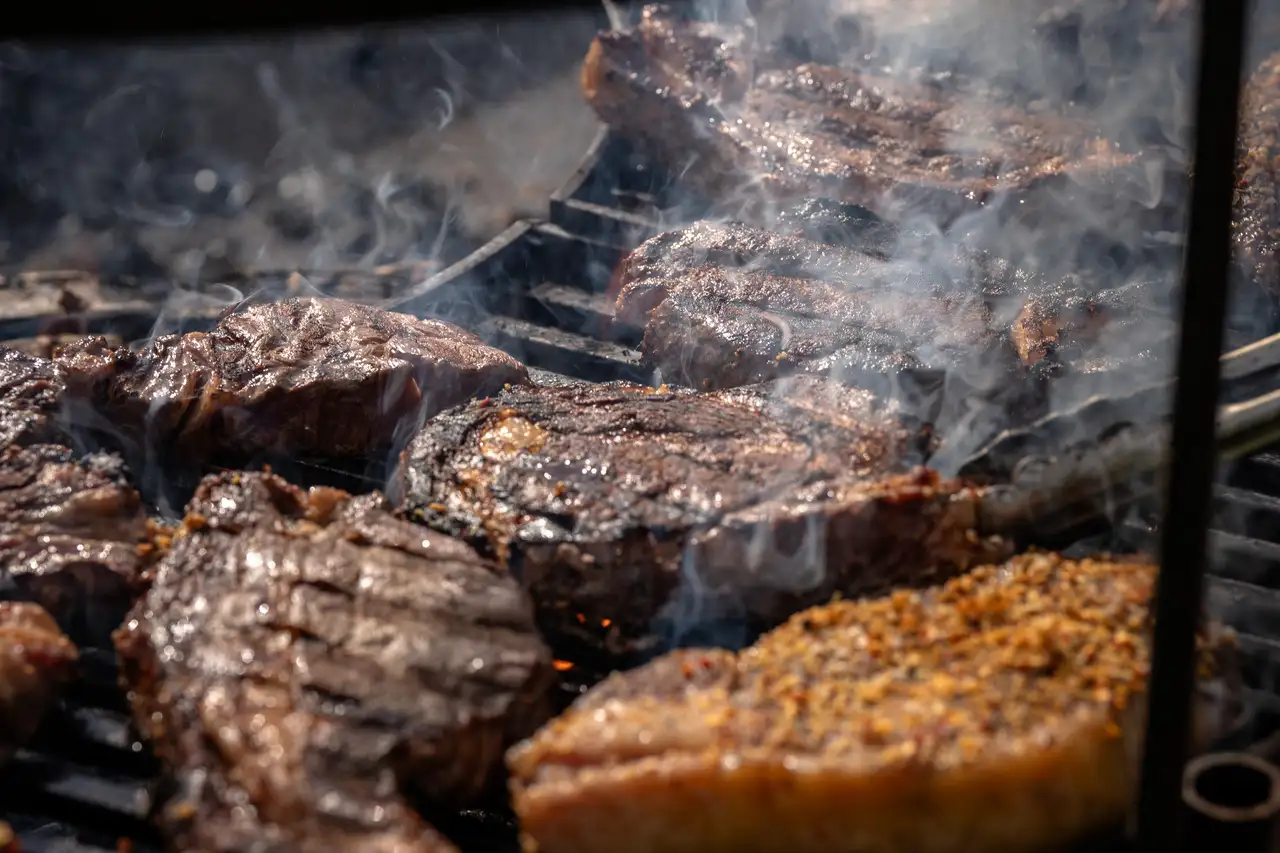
<point>311,377</point>
<point>36,661</point>
<point>1256,212</point>
<point>728,304</point>
<point>639,518</point>
<point>30,397</point>
<point>1001,711</point>
<point>306,666</point>
<point>70,534</point>
<point>734,128</point>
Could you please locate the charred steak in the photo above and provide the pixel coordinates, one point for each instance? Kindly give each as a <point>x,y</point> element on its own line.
<point>36,659</point>
<point>640,517</point>
<point>30,396</point>
<point>70,533</point>
<point>306,376</point>
<point>995,712</point>
<point>693,94</point>
<point>303,660</point>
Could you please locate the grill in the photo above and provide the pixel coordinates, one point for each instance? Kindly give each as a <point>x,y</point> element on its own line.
<point>539,291</point>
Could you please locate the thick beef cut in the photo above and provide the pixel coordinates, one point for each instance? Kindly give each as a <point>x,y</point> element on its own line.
<point>723,305</point>
<point>1256,215</point>
<point>995,712</point>
<point>36,659</point>
<point>311,377</point>
<point>30,396</point>
<point>640,517</point>
<point>70,534</point>
<point>304,661</point>
<point>695,97</point>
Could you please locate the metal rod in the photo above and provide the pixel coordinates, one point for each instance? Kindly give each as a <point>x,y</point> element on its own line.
<point>1184,531</point>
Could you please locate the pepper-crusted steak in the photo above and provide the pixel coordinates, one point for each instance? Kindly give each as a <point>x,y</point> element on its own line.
<point>694,94</point>
<point>69,536</point>
<point>305,376</point>
<point>995,712</point>
<point>1256,213</point>
<point>640,517</point>
<point>302,659</point>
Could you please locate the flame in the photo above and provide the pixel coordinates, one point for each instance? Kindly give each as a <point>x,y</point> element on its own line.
<point>562,665</point>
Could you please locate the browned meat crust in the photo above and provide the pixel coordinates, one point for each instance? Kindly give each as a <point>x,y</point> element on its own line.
<point>30,395</point>
<point>691,93</point>
<point>36,659</point>
<point>995,712</point>
<point>285,378</point>
<point>69,536</point>
<point>637,518</point>
<point>304,658</point>
<point>1256,218</point>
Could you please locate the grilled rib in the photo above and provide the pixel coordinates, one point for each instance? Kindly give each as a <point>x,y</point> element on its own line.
<point>995,712</point>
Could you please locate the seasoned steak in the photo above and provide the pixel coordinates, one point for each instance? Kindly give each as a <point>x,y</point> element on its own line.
<point>723,305</point>
<point>30,396</point>
<point>69,536</point>
<point>1256,213</point>
<point>306,376</point>
<point>638,518</point>
<point>304,660</point>
<point>36,659</point>
<point>694,95</point>
<point>995,712</point>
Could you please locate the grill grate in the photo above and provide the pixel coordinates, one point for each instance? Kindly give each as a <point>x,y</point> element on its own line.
<point>539,291</point>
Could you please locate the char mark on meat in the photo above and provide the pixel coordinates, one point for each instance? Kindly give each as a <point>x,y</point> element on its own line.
<point>30,397</point>
<point>1019,683</point>
<point>36,661</point>
<point>304,662</point>
<point>70,533</point>
<point>686,89</point>
<point>318,378</point>
<point>638,518</point>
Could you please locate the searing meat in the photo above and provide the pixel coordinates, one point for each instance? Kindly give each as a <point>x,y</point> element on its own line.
<point>70,533</point>
<point>639,517</point>
<point>723,305</point>
<point>303,658</point>
<point>36,659</point>
<point>311,377</point>
<point>694,95</point>
<point>1256,214</point>
<point>995,712</point>
<point>30,395</point>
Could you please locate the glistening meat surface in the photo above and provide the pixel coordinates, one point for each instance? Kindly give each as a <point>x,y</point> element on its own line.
<point>304,663</point>
<point>995,712</point>
<point>36,661</point>
<point>70,532</point>
<point>695,95</point>
<point>305,376</point>
<point>30,397</point>
<point>638,517</point>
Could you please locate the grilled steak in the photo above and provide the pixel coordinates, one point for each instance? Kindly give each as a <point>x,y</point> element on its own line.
<point>639,517</point>
<point>310,377</point>
<point>69,536</point>
<point>994,712</point>
<point>1256,213</point>
<point>35,660</point>
<point>693,93</point>
<point>723,305</point>
<point>30,395</point>
<point>302,659</point>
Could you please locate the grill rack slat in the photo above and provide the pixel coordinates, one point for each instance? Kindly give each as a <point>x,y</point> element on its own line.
<point>540,292</point>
